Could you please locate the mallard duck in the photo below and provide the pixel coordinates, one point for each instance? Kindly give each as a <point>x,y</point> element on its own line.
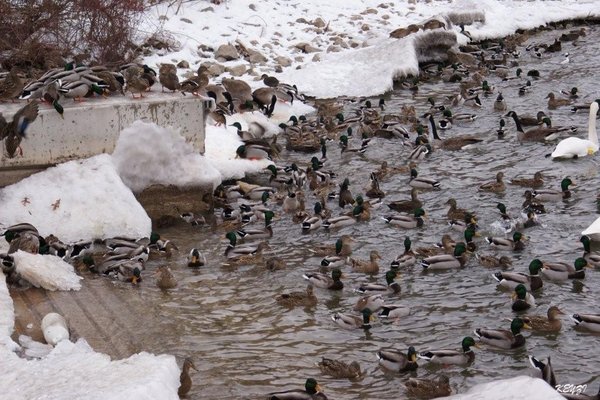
<point>545,369</point>
<point>339,369</point>
<point>422,182</point>
<point>12,85</point>
<point>590,322</point>
<point>510,280</point>
<point>385,170</point>
<point>574,147</point>
<point>593,259</point>
<point>367,267</point>
<point>347,321</point>
<point>453,143</point>
<point>196,259</point>
<point>514,244</point>
<point>165,278</point>
<point>452,357</point>
<point>14,131</point>
<point>554,195</point>
<point>493,262</point>
<point>536,182</point>
<point>407,205</point>
<point>503,338</point>
<point>373,302</point>
<point>198,82</point>
<point>500,103</point>
<point>531,206</point>
<point>293,299</point>
<point>397,361</point>
<point>454,212</point>
<point>521,299</point>
<point>325,281</point>
<point>312,391</point>
<point>554,103</point>
<point>551,323</point>
<point>136,82</point>
<point>407,221</point>
<point>338,222</point>
<point>345,196</point>
<point>391,286</point>
<point>428,388</point>
<point>394,311</point>
<point>495,186</point>
<point>374,191</point>
<point>342,247</point>
<point>538,134</point>
<point>248,251</point>
<point>447,261</point>
<point>446,246</point>
<point>167,76</point>
<point>530,120</point>
<point>406,259</point>
<point>558,271</point>
<point>24,241</point>
<point>255,234</point>
<point>334,261</point>
<point>127,271</point>
<point>185,381</point>
<point>79,89</point>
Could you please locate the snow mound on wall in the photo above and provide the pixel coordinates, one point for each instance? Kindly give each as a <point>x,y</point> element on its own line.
<point>46,271</point>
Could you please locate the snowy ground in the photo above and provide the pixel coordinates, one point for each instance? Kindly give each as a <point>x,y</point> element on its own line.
<point>86,199</point>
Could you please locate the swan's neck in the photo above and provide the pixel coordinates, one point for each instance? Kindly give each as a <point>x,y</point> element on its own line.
<point>592,134</point>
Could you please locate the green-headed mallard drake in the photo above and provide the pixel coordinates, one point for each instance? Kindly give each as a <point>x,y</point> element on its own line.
<point>502,338</point>
<point>167,76</point>
<point>452,357</point>
<point>407,205</point>
<point>339,369</point>
<point>372,301</point>
<point>334,261</point>
<point>495,186</point>
<point>79,89</point>
<point>391,286</point>
<point>428,388</point>
<point>590,322</point>
<point>510,280</point>
<point>554,103</point>
<point>521,299</point>
<point>342,247</point>
<point>347,321</point>
<point>254,234</point>
<point>559,271</point>
<point>422,182</point>
<point>12,85</point>
<point>394,311</point>
<point>537,134</point>
<point>196,258</point>
<point>185,381</point>
<point>312,391</point>
<point>252,152</point>
<point>554,195</point>
<point>547,373</point>
<point>500,103</point>
<point>453,143</point>
<point>293,299</point>
<point>127,271</point>
<point>447,261</point>
<point>14,131</point>
<point>247,252</point>
<point>368,267</point>
<point>536,182</point>
<point>549,323</point>
<point>406,259</point>
<point>394,360</point>
<point>407,221</point>
<point>493,262</point>
<point>325,281</point>
<point>514,244</point>
<point>592,258</point>
<point>165,278</point>
<point>313,222</point>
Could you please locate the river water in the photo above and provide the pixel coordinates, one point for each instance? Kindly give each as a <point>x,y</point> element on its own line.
<point>245,345</point>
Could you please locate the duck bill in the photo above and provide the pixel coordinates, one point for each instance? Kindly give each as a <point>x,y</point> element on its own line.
<point>526,326</point>
<point>134,280</point>
<point>477,345</point>
<point>318,388</point>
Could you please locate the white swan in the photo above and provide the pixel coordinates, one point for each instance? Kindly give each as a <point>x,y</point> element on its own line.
<point>593,231</point>
<point>576,147</point>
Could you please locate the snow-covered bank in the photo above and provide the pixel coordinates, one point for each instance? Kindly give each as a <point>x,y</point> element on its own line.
<point>76,200</point>
<point>46,271</point>
<point>520,387</point>
<point>289,35</point>
<point>75,371</point>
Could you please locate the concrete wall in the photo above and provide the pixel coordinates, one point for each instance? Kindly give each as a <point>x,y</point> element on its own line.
<point>92,127</point>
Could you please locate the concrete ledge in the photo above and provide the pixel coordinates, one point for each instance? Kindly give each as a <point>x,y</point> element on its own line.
<point>92,127</point>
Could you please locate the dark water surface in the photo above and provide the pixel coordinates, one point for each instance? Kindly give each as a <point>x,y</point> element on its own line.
<point>245,345</point>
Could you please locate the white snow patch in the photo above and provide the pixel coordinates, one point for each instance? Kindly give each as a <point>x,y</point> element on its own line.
<point>520,387</point>
<point>77,200</point>
<point>147,154</point>
<point>46,271</point>
<point>7,315</point>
